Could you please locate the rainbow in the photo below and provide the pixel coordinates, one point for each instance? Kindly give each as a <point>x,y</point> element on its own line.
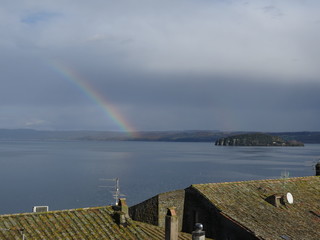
<point>109,109</point>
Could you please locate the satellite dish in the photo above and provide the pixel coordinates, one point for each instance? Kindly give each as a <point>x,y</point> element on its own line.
<point>289,198</point>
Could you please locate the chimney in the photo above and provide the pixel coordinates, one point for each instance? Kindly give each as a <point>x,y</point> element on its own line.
<point>171,224</point>
<point>122,204</point>
<point>121,212</point>
<point>198,234</point>
<point>275,199</point>
<point>318,169</point>
<point>120,218</point>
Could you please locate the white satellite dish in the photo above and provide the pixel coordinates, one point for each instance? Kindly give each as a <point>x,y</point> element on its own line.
<point>289,198</point>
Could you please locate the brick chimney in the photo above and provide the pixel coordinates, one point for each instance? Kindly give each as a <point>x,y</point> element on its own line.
<point>122,204</point>
<point>171,224</point>
<point>121,212</point>
<point>120,218</point>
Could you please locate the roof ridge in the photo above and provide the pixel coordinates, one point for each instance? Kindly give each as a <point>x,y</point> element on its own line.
<point>257,180</point>
<point>55,211</point>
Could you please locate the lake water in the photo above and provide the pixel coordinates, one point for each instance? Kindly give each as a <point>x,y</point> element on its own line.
<point>67,175</point>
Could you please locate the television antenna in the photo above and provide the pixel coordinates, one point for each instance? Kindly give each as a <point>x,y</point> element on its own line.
<point>115,188</point>
<point>285,174</point>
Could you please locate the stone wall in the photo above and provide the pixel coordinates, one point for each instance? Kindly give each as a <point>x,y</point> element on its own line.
<point>146,211</point>
<point>154,210</point>
<point>171,199</point>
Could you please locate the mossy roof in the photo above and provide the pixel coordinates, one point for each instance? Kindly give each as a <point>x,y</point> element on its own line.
<point>245,203</point>
<point>87,223</point>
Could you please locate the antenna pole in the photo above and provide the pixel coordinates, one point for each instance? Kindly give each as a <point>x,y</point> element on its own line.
<point>284,175</point>
<point>117,193</point>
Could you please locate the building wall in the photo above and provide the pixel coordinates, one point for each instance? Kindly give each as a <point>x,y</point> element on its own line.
<point>146,211</point>
<point>191,208</point>
<point>232,231</point>
<point>198,209</point>
<point>171,199</point>
<point>154,210</point>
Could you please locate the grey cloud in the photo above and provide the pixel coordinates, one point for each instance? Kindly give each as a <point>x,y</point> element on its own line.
<point>41,16</point>
<point>213,37</point>
<point>163,65</point>
<point>274,11</point>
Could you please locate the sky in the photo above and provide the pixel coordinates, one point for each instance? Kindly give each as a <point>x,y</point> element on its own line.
<point>147,65</point>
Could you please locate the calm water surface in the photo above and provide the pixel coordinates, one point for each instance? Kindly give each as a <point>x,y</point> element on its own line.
<point>66,175</point>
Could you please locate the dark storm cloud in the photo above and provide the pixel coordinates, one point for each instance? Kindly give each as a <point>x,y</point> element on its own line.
<point>203,90</point>
<point>162,64</point>
<point>214,101</point>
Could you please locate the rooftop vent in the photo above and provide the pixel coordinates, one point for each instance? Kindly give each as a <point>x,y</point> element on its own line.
<point>279,199</point>
<point>275,199</point>
<point>198,234</point>
<point>40,209</point>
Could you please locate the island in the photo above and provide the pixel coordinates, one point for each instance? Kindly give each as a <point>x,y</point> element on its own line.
<point>256,139</point>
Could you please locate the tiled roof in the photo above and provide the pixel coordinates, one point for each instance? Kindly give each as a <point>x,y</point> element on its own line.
<point>245,203</point>
<point>87,223</point>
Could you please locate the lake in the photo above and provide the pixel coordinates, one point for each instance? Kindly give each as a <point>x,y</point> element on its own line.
<point>67,174</point>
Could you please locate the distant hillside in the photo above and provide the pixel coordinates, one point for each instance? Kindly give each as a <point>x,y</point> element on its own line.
<point>178,136</point>
<point>256,139</point>
<point>165,136</point>
<point>30,134</point>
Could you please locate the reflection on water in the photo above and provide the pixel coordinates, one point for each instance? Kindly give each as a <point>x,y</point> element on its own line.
<point>66,174</point>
